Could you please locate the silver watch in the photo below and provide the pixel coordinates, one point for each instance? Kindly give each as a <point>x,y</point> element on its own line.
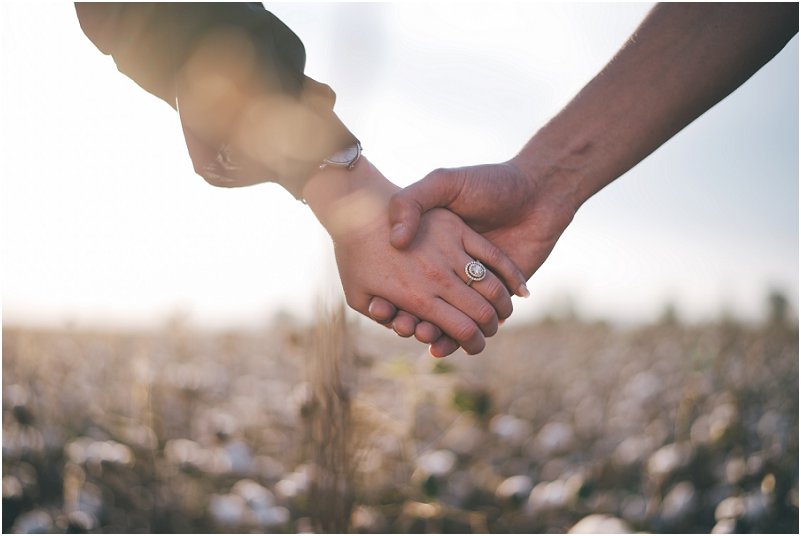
<point>346,158</point>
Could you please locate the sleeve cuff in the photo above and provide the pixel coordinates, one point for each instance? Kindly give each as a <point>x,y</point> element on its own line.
<point>275,138</point>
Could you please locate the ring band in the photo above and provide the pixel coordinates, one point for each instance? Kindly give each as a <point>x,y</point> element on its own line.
<point>475,272</point>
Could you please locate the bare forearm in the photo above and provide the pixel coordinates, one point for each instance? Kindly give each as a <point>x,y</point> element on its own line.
<point>346,201</point>
<point>682,60</point>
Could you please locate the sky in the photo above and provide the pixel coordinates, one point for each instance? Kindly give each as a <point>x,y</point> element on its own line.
<point>105,223</point>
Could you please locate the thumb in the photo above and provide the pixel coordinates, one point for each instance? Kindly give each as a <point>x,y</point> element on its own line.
<point>437,189</point>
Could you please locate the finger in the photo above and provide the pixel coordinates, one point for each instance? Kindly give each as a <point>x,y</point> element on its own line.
<point>437,189</point>
<point>495,292</point>
<point>381,310</point>
<point>405,324</point>
<point>472,303</point>
<point>443,347</point>
<point>494,257</point>
<point>457,325</point>
<point>427,333</point>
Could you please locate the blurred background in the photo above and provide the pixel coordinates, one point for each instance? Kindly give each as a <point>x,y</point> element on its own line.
<point>174,358</point>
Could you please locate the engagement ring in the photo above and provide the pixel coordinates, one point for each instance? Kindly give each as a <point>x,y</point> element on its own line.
<point>475,271</point>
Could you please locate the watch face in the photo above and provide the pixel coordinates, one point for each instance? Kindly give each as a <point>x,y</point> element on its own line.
<point>345,156</point>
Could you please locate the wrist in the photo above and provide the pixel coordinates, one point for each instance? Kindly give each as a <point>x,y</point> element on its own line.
<point>553,171</point>
<point>348,201</point>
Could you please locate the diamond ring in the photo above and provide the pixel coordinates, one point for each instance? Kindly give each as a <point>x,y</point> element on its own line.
<point>475,271</point>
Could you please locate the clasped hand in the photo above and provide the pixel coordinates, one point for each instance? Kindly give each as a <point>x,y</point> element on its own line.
<point>416,282</point>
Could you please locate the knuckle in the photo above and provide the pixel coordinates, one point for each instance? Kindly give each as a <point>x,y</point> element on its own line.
<point>436,275</point>
<point>419,304</point>
<point>398,203</point>
<point>466,331</point>
<point>439,174</point>
<point>448,179</point>
<point>213,178</point>
<point>486,315</point>
<point>494,255</point>
<point>496,292</point>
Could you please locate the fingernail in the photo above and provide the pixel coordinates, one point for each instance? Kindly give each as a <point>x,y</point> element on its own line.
<point>522,291</point>
<point>397,231</point>
<point>370,309</point>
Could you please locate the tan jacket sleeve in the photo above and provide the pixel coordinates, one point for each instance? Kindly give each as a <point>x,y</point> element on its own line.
<point>235,74</point>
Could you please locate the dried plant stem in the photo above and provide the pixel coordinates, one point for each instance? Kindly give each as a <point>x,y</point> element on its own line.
<point>330,370</point>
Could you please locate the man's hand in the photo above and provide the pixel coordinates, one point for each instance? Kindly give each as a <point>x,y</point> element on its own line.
<point>522,214</point>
